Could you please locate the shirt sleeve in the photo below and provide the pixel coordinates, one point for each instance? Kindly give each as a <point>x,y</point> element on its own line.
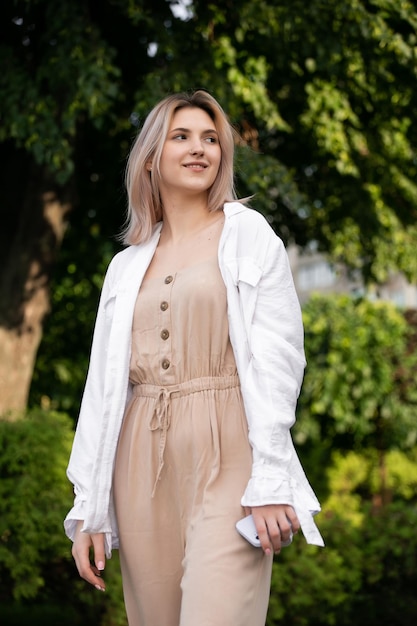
<point>86,439</point>
<point>273,382</point>
<point>275,373</point>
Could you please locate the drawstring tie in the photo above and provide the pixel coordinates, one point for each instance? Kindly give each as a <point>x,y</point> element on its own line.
<point>161,420</point>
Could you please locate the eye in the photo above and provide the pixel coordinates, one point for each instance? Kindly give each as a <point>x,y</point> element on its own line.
<point>211,139</point>
<point>180,137</point>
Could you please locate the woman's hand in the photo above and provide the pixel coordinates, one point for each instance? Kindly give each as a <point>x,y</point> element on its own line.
<point>81,553</point>
<point>274,523</point>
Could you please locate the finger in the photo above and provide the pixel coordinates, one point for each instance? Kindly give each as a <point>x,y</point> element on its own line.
<point>293,520</point>
<point>99,552</point>
<point>275,533</point>
<point>80,552</point>
<point>90,573</point>
<point>288,524</point>
<point>262,531</point>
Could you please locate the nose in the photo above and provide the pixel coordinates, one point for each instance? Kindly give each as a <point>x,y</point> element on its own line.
<point>197,147</point>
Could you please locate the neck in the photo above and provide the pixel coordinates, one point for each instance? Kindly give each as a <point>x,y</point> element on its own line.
<point>182,217</point>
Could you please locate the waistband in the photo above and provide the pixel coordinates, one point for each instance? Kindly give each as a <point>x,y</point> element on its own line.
<point>193,385</point>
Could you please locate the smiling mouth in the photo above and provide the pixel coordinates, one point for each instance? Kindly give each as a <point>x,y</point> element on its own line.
<point>196,166</point>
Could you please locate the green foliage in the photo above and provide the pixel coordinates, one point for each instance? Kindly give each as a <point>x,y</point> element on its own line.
<point>325,92</point>
<point>357,478</point>
<point>275,192</point>
<point>334,85</point>
<point>312,587</point>
<point>357,388</point>
<point>75,76</point>
<point>36,566</point>
<point>34,497</point>
<point>367,573</point>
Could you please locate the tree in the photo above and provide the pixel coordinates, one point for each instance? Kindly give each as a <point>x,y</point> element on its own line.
<point>323,95</point>
<point>328,90</point>
<point>56,72</point>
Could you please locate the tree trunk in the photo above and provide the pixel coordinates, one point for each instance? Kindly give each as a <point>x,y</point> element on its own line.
<point>33,216</point>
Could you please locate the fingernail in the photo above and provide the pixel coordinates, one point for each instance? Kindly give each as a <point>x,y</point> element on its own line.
<point>100,565</point>
<point>99,588</point>
<point>267,551</point>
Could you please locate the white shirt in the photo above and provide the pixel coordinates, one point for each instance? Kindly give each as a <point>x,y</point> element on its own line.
<point>266,334</point>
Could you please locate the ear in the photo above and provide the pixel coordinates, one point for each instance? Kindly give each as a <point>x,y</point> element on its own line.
<point>149,166</point>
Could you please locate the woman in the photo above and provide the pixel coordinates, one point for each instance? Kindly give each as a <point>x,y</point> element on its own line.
<point>196,366</point>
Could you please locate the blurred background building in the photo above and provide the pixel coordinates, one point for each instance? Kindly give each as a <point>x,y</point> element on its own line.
<point>313,273</point>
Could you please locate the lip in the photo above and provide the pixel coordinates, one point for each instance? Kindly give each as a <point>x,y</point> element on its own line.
<point>196,164</point>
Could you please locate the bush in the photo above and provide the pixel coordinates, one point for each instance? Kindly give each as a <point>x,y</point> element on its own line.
<point>39,582</point>
<point>366,575</point>
<point>34,496</point>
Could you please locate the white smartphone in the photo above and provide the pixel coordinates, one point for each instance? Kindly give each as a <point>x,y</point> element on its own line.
<point>246,527</point>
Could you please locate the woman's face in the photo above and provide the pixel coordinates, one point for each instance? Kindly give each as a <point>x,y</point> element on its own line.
<point>191,154</point>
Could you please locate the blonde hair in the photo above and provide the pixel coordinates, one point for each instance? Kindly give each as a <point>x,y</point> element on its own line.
<point>144,203</point>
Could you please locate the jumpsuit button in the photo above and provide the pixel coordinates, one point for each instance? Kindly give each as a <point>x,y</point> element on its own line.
<point>169,279</point>
<point>164,334</point>
<point>164,306</point>
<point>165,364</point>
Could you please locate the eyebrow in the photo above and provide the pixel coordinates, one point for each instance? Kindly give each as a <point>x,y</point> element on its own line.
<point>187,130</point>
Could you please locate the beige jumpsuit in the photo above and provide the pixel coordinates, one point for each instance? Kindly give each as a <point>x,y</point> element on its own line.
<point>183,463</point>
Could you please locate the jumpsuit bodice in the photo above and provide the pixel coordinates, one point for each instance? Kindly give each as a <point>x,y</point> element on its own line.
<point>180,330</point>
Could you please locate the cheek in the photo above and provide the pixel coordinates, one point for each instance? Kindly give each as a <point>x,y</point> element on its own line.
<point>219,160</point>
<point>216,155</point>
